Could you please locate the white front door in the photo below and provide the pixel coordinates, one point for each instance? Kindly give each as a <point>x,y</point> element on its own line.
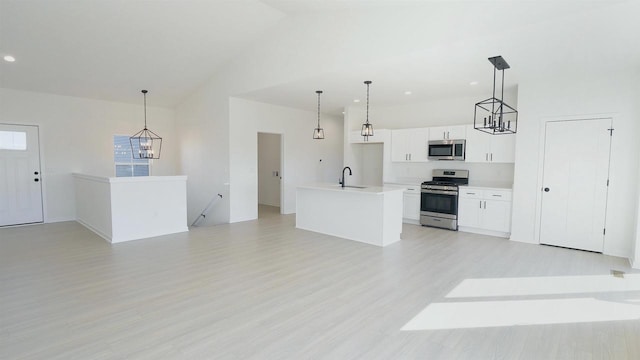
<point>574,188</point>
<point>20,189</point>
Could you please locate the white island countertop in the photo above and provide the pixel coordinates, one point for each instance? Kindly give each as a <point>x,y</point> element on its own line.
<point>354,188</point>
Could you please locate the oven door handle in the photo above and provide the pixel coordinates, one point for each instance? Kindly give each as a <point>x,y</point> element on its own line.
<point>441,192</point>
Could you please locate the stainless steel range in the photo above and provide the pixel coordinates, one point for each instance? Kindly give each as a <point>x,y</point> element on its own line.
<point>439,198</point>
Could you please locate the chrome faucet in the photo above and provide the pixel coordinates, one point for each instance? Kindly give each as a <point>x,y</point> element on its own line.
<point>350,173</point>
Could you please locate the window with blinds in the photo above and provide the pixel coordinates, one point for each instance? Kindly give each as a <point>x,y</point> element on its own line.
<point>126,165</point>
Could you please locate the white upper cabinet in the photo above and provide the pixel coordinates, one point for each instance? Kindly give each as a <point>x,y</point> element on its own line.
<point>409,145</point>
<point>447,132</point>
<point>483,147</point>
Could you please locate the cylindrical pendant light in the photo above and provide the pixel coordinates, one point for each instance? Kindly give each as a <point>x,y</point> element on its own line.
<point>367,128</point>
<point>318,133</point>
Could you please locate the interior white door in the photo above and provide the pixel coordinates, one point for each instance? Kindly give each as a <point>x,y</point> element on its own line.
<point>20,185</point>
<point>574,189</point>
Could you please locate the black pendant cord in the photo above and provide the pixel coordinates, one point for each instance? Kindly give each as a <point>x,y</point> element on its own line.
<point>319,92</point>
<point>367,82</point>
<point>493,109</point>
<point>502,102</point>
<point>144,93</point>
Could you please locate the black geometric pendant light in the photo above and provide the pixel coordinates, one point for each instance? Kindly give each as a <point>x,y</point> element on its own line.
<point>145,144</point>
<point>493,115</point>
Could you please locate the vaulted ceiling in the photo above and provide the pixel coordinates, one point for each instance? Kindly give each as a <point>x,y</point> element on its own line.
<point>108,49</point>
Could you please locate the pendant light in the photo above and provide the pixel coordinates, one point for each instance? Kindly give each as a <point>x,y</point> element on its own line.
<point>145,144</point>
<point>367,128</point>
<point>493,115</point>
<point>318,133</point>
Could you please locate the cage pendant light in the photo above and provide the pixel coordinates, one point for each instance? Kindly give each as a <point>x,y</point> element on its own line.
<point>318,133</point>
<point>367,128</point>
<point>145,144</point>
<point>493,115</point>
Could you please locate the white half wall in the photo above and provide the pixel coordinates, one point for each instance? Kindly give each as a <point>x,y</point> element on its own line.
<point>269,169</point>
<point>305,160</point>
<point>76,136</point>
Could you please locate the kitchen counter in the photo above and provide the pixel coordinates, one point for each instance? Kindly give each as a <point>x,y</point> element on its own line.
<point>371,214</point>
<point>497,185</point>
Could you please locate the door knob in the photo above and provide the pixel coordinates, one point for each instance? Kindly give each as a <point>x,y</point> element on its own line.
<point>546,189</point>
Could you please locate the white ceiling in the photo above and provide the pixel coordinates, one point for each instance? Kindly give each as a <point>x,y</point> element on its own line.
<point>111,49</point>
<point>108,49</point>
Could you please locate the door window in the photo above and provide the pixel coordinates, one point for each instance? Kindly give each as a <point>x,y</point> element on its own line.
<point>13,140</point>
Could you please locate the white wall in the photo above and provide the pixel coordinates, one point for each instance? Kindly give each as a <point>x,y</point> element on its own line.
<point>305,160</point>
<point>76,136</point>
<point>269,169</point>
<point>371,160</point>
<point>636,246</point>
<point>547,96</point>
<point>202,121</point>
<point>438,112</point>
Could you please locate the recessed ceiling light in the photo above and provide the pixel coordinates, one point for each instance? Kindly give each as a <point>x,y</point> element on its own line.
<point>473,83</point>
<point>9,58</point>
<point>408,93</point>
<point>356,100</point>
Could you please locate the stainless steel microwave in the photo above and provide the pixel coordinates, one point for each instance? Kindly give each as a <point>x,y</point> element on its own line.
<point>447,149</point>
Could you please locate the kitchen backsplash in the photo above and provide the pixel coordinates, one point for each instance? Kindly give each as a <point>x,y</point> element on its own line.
<point>415,173</point>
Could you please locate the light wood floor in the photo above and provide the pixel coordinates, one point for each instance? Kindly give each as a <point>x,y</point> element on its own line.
<point>265,290</point>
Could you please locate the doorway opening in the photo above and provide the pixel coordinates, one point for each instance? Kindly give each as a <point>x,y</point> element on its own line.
<point>269,174</point>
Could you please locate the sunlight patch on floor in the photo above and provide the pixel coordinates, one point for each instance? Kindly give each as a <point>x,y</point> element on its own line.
<point>545,285</point>
<point>462,315</point>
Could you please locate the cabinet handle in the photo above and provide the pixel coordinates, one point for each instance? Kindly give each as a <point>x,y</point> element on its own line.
<point>480,204</point>
<point>497,195</point>
<point>406,157</point>
<point>448,136</point>
<point>444,134</point>
<point>485,204</point>
<point>486,156</point>
<point>491,156</point>
<point>468,193</point>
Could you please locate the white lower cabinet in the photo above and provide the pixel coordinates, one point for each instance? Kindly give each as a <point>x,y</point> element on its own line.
<point>484,211</point>
<point>411,205</point>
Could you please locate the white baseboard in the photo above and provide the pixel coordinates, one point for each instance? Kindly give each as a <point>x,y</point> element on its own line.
<point>96,231</point>
<point>484,232</point>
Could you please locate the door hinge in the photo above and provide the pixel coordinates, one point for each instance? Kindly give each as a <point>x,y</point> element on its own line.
<point>610,131</point>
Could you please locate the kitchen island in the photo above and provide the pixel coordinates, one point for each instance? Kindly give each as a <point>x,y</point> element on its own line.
<point>371,215</point>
